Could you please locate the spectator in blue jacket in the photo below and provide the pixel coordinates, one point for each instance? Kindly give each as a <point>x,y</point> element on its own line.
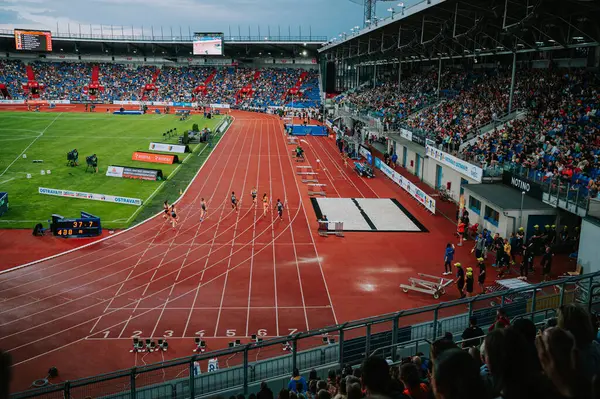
<point>296,377</point>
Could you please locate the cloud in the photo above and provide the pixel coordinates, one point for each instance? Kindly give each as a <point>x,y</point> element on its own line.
<point>200,15</point>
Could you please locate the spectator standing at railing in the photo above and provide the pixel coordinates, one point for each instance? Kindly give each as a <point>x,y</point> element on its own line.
<point>473,334</point>
<point>265,392</point>
<point>296,377</point>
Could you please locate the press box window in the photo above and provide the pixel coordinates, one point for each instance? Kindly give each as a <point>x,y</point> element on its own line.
<point>475,205</point>
<point>491,215</point>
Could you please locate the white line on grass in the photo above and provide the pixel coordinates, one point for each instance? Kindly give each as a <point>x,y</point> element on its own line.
<point>30,144</point>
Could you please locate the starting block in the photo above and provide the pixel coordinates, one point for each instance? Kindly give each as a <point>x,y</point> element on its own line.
<point>316,189</point>
<point>427,284</point>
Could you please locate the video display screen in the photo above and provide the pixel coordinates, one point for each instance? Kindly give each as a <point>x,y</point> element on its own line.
<point>33,40</point>
<point>208,44</point>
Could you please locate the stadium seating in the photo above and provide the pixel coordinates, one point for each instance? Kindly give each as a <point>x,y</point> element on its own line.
<point>239,86</point>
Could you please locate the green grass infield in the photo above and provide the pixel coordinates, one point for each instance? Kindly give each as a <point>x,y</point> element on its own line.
<point>48,137</point>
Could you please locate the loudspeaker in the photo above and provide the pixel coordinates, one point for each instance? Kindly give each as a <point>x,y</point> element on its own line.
<point>53,372</point>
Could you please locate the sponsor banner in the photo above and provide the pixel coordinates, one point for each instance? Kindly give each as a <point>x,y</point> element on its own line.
<point>184,104</point>
<point>142,173</point>
<point>159,103</point>
<point>154,158</point>
<point>180,149</point>
<point>364,151</point>
<point>220,106</point>
<point>530,187</point>
<point>328,124</point>
<point>126,102</point>
<point>406,134</point>
<point>429,142</point>
<point>407,185</point>
<point>89,196</point>
<point>114,171</point>
<point>467,169</point>
<point>12,102</point>
<point>59,101</point>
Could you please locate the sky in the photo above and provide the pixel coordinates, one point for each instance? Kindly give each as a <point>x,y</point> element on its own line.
<point>318,17</point>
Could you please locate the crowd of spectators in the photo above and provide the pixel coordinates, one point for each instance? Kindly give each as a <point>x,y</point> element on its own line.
<point>560,358</point>
<point>126,82</point>
<point>557,140</point>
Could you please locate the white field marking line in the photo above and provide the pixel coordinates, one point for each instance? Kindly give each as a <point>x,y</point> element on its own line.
<point>96,270</point>
<point>18,138</point>
<point>197,289</point>
<point>344,172</point>
<point>45,338</point>
<point>30,144</point>
<point>6,181</point>
<point>112,236</point>
<point>126,279</point>
<point>272,127</point>
<point>313,241</point>
<point>327,175</point>
<point>178,274</point>
<point>105,277</point>
<point>253,232</point>
<point>100,279</point>
<point>272,231</point>
<point>230,308</point>
<point>237,219</point>
<point>190,248</point>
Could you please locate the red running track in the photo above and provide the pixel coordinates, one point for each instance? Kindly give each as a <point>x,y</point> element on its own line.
<point>228,277</point>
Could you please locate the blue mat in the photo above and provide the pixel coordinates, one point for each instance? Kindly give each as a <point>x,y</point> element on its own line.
<point>128,113</point>
<point>308,130</point>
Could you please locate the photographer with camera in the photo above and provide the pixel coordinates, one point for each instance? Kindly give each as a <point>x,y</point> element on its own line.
<point>92,161</point>
<point>72,158</point>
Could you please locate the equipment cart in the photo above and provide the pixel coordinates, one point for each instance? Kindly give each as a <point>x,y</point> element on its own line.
<point>427,284</point>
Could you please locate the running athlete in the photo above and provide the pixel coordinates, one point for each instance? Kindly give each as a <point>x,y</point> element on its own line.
<point>253,194</point>
<point>166,210</point>
<point>173,216</point>
<point>265,201</point>
<point>234,204</point>
<point>202,209</point>
<point>280,209</point>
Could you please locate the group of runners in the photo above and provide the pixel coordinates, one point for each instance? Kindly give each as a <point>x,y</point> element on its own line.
<point>265,201</point>
<point>170,212</point>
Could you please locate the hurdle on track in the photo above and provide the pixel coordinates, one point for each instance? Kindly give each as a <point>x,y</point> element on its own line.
<point>310,181</point>
<point>331,227</point>
<point>316,189</point>
<point>307,173</point>
<point>292,140</point>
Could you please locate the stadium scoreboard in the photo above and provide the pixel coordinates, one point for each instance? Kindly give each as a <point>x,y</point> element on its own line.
<point>33,40</point>
<point>208,43</point>
<point>86,226</point>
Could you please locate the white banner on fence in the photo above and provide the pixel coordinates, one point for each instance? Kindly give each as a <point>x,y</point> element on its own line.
<point>59,101</point>
<point>12,102</point>
<point>220,106</point>
<point>160,103</point>
<point>467,169</point>
<point>180,149</point>
<point>364,151</point>
<point>89,196</point>
<point>406,134</point>
<point>115,171</point>
<point>407,185</point>
<point>126,102</point>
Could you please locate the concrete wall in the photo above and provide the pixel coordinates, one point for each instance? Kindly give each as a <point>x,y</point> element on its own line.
<point>589,250</point>
<point>508,221</point>
<point>448,176</point>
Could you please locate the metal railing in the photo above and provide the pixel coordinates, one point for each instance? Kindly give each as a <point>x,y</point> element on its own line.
<point>391,335</point>
<point>121,34</point>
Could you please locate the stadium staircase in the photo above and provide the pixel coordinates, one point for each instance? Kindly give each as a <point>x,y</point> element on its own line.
<point>294,90</point>
<point>153,84</point>
<point>31,82</point>
<point>94,83</point>
<point>247,91</point>
<point>210,78</point>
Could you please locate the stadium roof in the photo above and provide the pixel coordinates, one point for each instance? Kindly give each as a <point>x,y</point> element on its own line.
<point>434,29</point>
<point>117,42</point>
